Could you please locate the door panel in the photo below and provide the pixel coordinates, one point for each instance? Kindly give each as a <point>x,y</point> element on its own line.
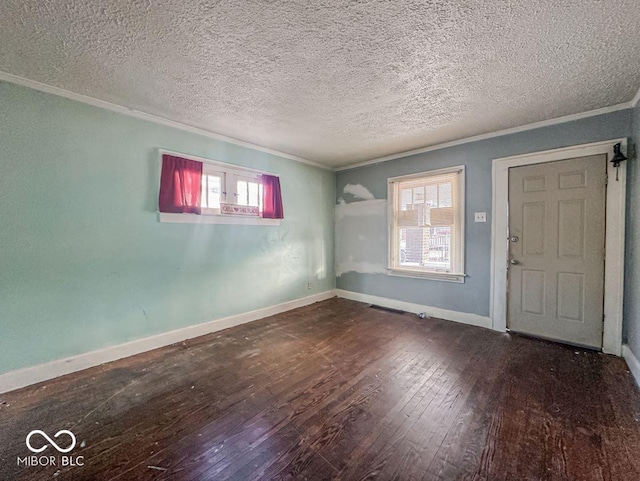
<point>533,289</point>
<point>556,229</point>
<point>571,228</point>
<point>533,224</point>
<point>570,296</point>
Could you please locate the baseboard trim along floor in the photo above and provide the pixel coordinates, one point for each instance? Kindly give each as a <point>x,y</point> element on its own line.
<point>43,372</point>
<point>456,316</point>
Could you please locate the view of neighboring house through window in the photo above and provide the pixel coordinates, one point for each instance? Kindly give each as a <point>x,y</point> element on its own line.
<point>426,229</point>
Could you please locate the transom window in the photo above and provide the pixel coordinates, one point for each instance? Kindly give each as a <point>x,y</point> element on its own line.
<point>198,190</point>
<point>426,228</point>
<point>229,186</point>
<point>212,193</point>
<point>249,192</point>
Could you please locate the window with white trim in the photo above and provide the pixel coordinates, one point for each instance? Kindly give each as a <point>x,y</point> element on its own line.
<point>229,186</point>
<point>224,188</point>
<point>426,225</point>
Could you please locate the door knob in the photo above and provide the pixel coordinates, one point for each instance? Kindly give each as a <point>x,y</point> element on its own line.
<point>514,262</point>
<point>515,238</point>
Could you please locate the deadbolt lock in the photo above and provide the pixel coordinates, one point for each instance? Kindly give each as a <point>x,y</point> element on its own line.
<point>515,238</point>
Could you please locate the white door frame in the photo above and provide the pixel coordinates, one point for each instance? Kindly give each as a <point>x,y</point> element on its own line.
<point>614,236</point>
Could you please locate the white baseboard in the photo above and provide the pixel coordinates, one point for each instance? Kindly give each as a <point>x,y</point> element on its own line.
<point>44,372</point>
<point>463,317</point>
<point>632,362</point>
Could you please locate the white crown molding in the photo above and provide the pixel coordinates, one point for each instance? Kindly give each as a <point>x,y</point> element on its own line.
<point>499,133</point>
<point>632,362</point>
<point>43,372</point>
<point>50,89</point>
<point>456,316</point>
<point>15,79</point>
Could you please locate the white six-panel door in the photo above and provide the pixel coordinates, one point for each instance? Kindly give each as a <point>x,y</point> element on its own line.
<point>556,249</point>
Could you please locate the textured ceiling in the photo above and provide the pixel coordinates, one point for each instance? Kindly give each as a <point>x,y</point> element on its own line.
<point>333,81</point>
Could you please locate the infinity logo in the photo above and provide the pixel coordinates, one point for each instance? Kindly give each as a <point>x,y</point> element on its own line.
<point>51,441</point>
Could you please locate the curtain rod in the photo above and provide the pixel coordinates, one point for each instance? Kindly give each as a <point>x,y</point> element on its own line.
<point>213,162</point>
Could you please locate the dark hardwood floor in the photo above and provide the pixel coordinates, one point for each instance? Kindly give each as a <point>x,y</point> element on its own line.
<point>338,390</point>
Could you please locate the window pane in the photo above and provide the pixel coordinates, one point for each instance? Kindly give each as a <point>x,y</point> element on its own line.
<point>418,195</point>
<point>445,199</point>
<point>203,193</point>
<point>431,195</point>
<point>249,193</point>
<point>214,192</point>
<point>405,199</point>
<point>427,247</point>
<point>253,194</point>
<point>211,188</point>
<point>410,254</point>
<point>243,193</point>
<point>439,249</point>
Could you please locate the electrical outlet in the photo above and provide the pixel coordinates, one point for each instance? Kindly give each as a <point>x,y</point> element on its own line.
<point>481,217</point>
<point>309,286</point>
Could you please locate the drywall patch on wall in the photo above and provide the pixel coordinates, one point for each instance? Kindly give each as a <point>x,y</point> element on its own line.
<point>366,252</point>
<point>473,296</point>
<point>360,267</point>
<point>365,208</point>
<point>358,192</point>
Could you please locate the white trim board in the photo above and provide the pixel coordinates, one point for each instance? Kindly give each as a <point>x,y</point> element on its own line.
<point>462,317</point>
<point>170,218</point>
<point>498,133</point>
<point>632,362</point>
<point>393,267</point>
<point>636,99</point>
<point>50,89</point>
<point>614,236</point>
<point>43,372</point>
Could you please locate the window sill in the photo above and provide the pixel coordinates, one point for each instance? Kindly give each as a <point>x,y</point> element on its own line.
<point>434,276</point>
<point>165,217</point>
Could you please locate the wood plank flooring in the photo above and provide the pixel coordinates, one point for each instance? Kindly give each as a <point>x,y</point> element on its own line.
<point>338,390</point>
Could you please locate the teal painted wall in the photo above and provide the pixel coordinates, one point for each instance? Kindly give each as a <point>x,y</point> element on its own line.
<point>84,262</point>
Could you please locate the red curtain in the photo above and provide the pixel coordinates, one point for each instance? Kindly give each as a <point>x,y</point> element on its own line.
<point>271,197</point>
<point>180,185</point>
